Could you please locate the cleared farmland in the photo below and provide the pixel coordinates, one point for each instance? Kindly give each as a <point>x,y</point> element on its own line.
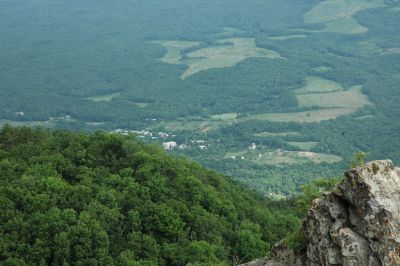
<point>287,37</point>
<point>350,98</point>
<point>322,69</point>
<point>281,157</point>
<point>226,116</point>
<point>104,98</point>
<point>276,134</point>
<point>174,49</point>
<point>338,14</point>
<point>316,84</point>
<point>225,53</point>
<point>302,117</point>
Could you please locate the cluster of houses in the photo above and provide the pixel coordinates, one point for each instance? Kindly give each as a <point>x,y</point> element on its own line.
<point>141,133</point>
<point>168,145</point>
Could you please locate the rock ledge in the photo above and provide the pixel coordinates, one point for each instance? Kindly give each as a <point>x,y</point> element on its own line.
<point>358,223</point>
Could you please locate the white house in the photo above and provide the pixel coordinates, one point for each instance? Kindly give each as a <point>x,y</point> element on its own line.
<point>169,145</point>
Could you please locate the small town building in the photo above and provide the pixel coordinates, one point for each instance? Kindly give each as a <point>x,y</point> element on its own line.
<point>170,145</point>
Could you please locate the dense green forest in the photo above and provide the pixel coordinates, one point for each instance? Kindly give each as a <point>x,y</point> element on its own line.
<point>308,86</point>
<point>103,199</point>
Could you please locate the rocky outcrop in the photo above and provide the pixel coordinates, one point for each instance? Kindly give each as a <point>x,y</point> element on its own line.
<point>358,223</point>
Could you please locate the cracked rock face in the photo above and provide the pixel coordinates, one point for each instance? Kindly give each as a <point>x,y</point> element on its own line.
<point>358,223</point>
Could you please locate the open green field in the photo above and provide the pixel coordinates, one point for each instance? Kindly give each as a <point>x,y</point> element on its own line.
<point>302,117</point>
<point>287,37</point>
<point>316,84</point>
<point>226,116</point>
<point>364,117</point>
<point>174,49</point>
<point>281,157</point>
<point>104,98</point>
<point>225,53</point>
<point>195,125</point>
<point>303,145</point>
<point>350,98</point>
<point>347,25</point>
<point>338,14</point>
<point>276,134</point>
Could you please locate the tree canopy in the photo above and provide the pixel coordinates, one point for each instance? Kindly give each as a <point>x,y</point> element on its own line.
<point>103,199</point>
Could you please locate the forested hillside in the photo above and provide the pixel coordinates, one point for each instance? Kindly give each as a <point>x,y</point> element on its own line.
<point>309,83</point>
<point>104,199</point>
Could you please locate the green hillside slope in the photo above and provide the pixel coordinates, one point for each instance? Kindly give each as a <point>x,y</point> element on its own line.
<point>103,199</point>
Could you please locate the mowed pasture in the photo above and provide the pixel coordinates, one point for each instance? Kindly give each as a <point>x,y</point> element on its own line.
<point>302,117</point>
<point>349,98</point>
<point>345,25</point>
<point>195,125</point>
<point>276,134</point>
<point>224,117</point>
<point>104,98</point>
<point>205,125</point>
<point>287,37</point>
<point>225,53</point>
<point>338,14</point>
<point>315,84</point>
<point>174,49</point>
<point>281,157</point>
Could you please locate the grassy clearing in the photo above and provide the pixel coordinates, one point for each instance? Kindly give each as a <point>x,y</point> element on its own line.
<point>280,157</point>
<point>287,37</point>
<point>350,98</point>
<point>104,98</point>
<point>331,10</point>
<point>302,117</point>
<point>345,25</point>
<point>322,69</point>
<point>226,116</point>
<point>338,14</point>
<point>278,134</point>
<point>317,84</point>
<point>225,53</point>
<point>196,125</point>
<point>174,49</point>
<point>141,105</point>
<point>305,146</point>
<point>364,117</point>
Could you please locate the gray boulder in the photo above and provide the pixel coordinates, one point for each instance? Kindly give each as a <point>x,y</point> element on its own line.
<point>358,223</point>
